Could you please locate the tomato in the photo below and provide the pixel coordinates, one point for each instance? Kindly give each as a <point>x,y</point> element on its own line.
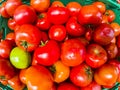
<point>11,23</point>
<point>103,34</point>
<point>58,15</point>
<point>3,12</point>
<point>57,4</point>
<point>112,50</point>
<point>74,8</point>
<point>57,32</point>
<point>118,41</point>
<point>23,14</point>
<point>106,75</point>
<point>5,48</point>
<point>7,71</point>
<point>28,37</point>
<point>74,28</point>
<point>81,75</point>
<point>92,86</point>
<point>116,28</point>
<point>15,83</point>
<point>110,15</point>
<point>38,78</point>
<point>18,56</point>
<point>45,37</point>
<point>96,55</point>
<point>42,22</point>
<point>40,5</point>
<point>22,76</point>
<point>72,52</point>
<point>67,86</point>
<point>60,72</point>
<point>89,14</point>
<point>11,5</point>
<point>44,54</point>
<point>84,41</point>
<point>100,5</point>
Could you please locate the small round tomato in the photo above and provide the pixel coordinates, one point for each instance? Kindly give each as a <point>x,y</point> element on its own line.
<point>74,8</point>
<point>72,52</point>
<point>23,14</point>
<point>103,34</point>
<point>92,86</point>
<point>11,5</point>
<point>28,37</point>
<point>15,83</point>
<point>38,78</point>
<point>11,23</point>
<point>106,75</point>
<point>100,5</point>
<point>22,76</point>
<point>60,72</point>
<point>47,54</point>
<point>67,86</point>
<point>74,28</point>
<point>58,15</point>
<point>42,22</point>
<point>96,55</point>
<point>81,75</point>
<point>89,14</point>
<point>5,48</point>
<point>110,15</point>
<point>57,4</point>
<point>57,32</point>
<point>40,5</point>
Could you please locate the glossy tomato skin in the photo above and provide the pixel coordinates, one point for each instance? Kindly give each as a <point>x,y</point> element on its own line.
<point>103,34</point>
<point>57,32</point>
<point>28,37</point>
<point>47,54</point>
<point>38,77</point>
<point>96,55</point>
<point>67,86</point>
<point>11,23</point>
<point>5,48</point>
<point>89,14</point>
<point>11,5</point>
<point>74,28</point>
<point>72,52</point>
<point>81,75</point>
<point>23,14</point>
<point>43,22</point>
<point>58,15</point>
<point>92,86</point>
<point>106,75</point>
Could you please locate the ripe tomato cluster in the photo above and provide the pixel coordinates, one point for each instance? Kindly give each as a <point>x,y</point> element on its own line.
<point>53,46</point>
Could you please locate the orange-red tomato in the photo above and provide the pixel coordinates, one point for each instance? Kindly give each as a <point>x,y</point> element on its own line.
<point>57,4</point>
<point>38,78</point>
<point>22,75</point>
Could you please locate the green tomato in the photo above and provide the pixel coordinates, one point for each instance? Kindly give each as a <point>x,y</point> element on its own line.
<point>20,58</point>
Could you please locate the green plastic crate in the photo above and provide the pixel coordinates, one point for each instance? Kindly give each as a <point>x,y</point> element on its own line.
<point>110,4</point>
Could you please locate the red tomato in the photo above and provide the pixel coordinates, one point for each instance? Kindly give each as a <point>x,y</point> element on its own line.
<point>74,8</point>
<point>23,14</point>
<point>11,23</point>
<point>38,78</point>
<point>58,15</point>
<point>22,76</point>
<point>7,71</point>
<point>92,86</point>
<point>74,28</point>
<point>5,48</point>
<point>57,32</point>
<point>40,5</point>
<point>28,37</point>
<point>72,52</point>
<point>67,86</point>
<point>96,55</point>
<point>42,22</point>
<point>81,75</point>
<point>11,5</point>
<point>106,75</point>
<point>45,37</point>
<point>89,14</point>
<point>103,34</point>
<point>47,54</point>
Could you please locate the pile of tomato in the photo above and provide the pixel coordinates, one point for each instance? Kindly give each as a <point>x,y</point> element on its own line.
<point>53,46</point>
